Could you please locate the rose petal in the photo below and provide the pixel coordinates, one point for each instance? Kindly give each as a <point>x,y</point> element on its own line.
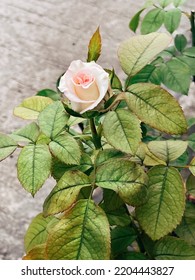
<point>67,86</point>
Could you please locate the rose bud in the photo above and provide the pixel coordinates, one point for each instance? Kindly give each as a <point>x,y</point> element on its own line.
<point>85,84</point>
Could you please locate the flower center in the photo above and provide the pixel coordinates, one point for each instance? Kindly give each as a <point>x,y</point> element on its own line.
<point>83,79</point>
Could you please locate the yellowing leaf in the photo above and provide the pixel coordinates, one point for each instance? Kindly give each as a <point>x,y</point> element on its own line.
<point>82,234</point>
<point>192,166</point>
<point>53,119</point>
<point>152,160</point>
<point>107,154</point>
<point>127,131</point>
<point>66,149</point>
<point>168,150</point>
<point>65,192</point>
<point>190,185</point>
<point>37,253</point>
<point>124,177</point>
<point>7,146</point>
<point>172,248</point>
<point>29,133</point>
<point>37,232</point>
<point>164,208</point>
<point>59,168</point>
<point>30,108</point>
<point>156,107</point>
<point>138,51</point>
<point>34,164</point>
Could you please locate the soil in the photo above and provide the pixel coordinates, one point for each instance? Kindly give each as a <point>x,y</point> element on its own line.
<point>38,41</point>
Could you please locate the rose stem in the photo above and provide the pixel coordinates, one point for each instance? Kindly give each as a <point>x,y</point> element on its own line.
<point>95,136</point>
<point>192,21</point>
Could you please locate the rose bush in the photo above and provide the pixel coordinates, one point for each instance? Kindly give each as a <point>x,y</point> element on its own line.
<point>85,84</point>
<point>128,153</point>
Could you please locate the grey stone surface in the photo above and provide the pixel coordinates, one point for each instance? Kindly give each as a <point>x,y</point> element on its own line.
<point>38,40</point>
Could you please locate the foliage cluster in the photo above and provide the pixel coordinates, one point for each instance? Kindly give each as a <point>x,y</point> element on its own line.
<point>119,190</point>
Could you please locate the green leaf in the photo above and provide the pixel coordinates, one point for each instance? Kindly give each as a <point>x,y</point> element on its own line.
<point>166,202</point>
<point>182,160</point>
<point>65,148</point>
<point>189,52</point>
<point>115,209</point>
<point>168,150</point>
<point>121,238</point>
<point>34,164</point>
<point>138,51</point>
<point>134,22</point>
<point>55,96</point>
<point>152,21</point>
<point>165,3</point>
<point>7,146</point>
<point>94,48</point>
<point>191,122</point>
<point>65,192</point>
<point>155,77</point>
<point>143,76</point>
<point>37,253</point>
<point>189,61</point>
<point>186,230</point>
<point>59,168</point>
<point>180,42</point>
<point>172,19</point>
<point>126,127</point>
<point>172,248</point>
<point>111,200</point>
<point>74,121</point>
<point>178,2</point>
<point>43,139</point>
<point>149,3</point>
<point>118,217</point>
<point>156,107</point>
<point>191,141</point>
<point>53,119</point>
<point>29,133</point>
<point>37,232</point>
<point>124,177</point>
<point>82,234</point>
<point>107,154</point>
<point>192,166</point>
<point>190,185</point>
<point>167,54</point>
<point>151,160</point>
<point>176,75</point>
<point>30,108</point>
<point>114,80</point>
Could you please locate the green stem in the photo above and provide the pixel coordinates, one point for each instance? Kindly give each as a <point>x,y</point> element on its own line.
<point>95,135</point>
<point>192,22</point>
<point>139,241</point>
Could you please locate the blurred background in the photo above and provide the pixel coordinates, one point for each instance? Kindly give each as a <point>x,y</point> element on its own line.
<point>38,40</point>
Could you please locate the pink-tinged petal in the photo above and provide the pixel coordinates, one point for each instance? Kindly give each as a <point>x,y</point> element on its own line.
<point>87,94</point>
<point>103,84</point>
<point>85,84</point>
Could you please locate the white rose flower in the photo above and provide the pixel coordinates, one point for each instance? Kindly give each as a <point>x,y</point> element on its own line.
<point>85,84</point>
